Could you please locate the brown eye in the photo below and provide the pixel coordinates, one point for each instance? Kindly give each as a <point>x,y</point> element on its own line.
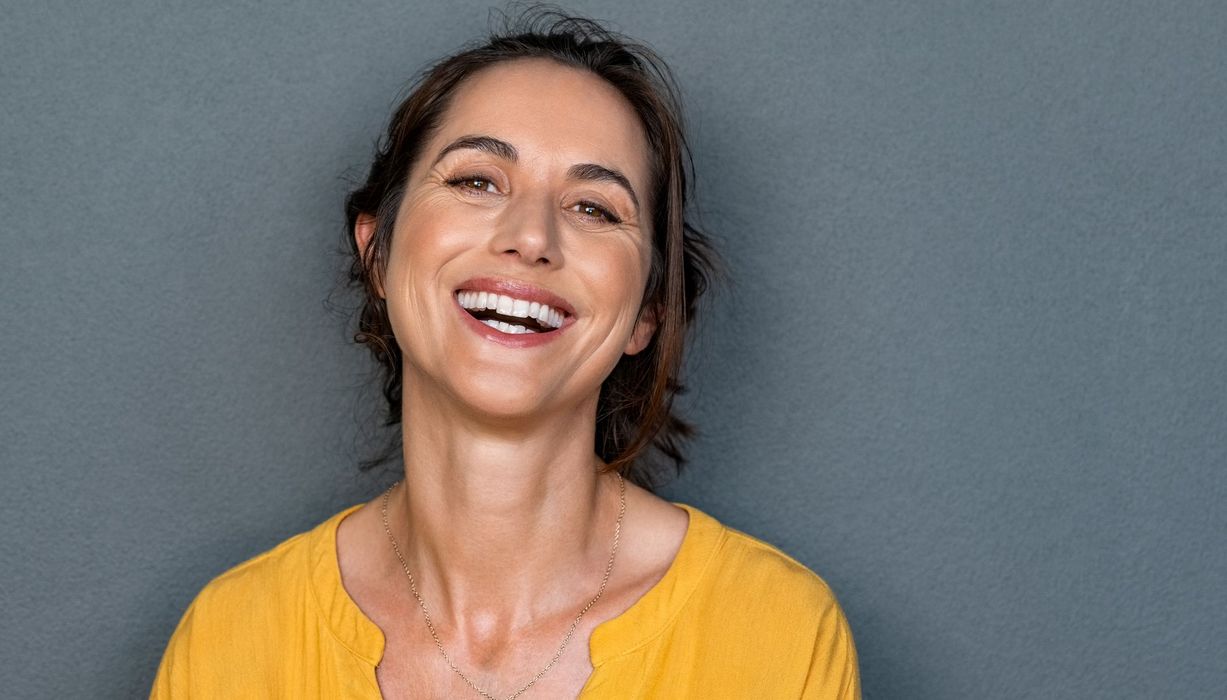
<point>598,213</point>
<point>475,183</point>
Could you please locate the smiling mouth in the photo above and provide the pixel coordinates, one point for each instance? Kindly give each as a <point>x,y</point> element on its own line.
<point>511,315</point>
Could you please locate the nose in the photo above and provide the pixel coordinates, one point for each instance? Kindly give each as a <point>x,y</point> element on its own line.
<point>528,229</point>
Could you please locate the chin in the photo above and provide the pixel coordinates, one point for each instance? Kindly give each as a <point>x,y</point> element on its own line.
<point>499,398</point>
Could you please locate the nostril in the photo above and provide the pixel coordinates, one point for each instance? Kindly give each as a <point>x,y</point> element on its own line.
<point>542,259</point>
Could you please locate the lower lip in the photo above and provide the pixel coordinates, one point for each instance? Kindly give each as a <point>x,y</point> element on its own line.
<point>517,340</point>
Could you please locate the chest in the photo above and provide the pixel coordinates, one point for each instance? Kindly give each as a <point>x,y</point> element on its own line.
<point>412,667</point>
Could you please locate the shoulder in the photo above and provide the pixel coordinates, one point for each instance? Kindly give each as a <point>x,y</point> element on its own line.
<point>756,598</point>
<point>256,587</point>
<point>243,614</point>
<point>744,566</point>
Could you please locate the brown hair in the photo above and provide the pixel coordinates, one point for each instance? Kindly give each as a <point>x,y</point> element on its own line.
<point>635,408</point>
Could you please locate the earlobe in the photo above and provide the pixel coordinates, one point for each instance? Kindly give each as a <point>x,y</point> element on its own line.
<point>364,232</point>
<point>645,327</point>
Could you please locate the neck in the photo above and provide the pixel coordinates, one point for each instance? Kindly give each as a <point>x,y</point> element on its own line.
<point>490,516</point>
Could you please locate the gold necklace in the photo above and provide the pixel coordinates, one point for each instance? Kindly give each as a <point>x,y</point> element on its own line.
<point>570,631</point>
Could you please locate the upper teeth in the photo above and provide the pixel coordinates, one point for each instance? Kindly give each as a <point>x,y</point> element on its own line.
<point>510,306</point>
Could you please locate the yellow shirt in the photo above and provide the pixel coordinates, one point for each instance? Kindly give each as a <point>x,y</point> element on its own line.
<point>733,617</point>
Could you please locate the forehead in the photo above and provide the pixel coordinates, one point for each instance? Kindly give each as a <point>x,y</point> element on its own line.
<point>549,112</point>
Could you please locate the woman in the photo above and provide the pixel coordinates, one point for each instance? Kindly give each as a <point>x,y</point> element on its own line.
<point>529,280</point>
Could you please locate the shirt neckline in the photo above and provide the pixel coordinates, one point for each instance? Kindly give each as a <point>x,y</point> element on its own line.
<point>639,624</point>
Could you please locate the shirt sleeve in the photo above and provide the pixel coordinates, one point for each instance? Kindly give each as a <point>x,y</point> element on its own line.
<point>224,646</point>
<point>172,679</point>
<point>833,673</point>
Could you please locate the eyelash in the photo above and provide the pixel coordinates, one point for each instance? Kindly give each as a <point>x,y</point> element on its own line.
<point>464,179</point>
<point>608,216</point>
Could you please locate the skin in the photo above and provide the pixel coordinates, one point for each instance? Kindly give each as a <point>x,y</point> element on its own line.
<point>502,517</point>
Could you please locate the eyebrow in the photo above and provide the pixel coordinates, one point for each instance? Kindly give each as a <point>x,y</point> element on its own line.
<point>489,144</point>
<point>598,173</point>
<point>590,172</point>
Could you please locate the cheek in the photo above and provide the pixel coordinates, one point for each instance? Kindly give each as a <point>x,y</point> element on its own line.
<point>427,233</point>
<point>621,274</point>
<point>642,266</point>
<point>422,242</point>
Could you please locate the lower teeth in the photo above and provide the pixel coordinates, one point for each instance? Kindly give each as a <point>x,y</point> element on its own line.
<point>510,328</point>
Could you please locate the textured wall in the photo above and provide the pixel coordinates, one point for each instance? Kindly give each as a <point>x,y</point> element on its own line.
<point>972,370</point>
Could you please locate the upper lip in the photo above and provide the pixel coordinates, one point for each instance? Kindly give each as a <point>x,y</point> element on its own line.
<point>519,290</point>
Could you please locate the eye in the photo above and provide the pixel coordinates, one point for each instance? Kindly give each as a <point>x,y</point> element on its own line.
<point>596,212</point>
<point>474,183</point>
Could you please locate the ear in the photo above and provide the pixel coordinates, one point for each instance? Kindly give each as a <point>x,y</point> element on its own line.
<point>364,231</point>
<point>644,328</point>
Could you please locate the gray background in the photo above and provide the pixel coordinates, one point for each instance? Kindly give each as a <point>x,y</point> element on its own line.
<point>972,369</point>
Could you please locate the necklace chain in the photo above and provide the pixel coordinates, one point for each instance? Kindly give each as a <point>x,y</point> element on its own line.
<point>613,550</point>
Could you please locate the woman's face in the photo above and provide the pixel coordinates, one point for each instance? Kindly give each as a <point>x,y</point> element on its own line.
<point>530,189</point>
